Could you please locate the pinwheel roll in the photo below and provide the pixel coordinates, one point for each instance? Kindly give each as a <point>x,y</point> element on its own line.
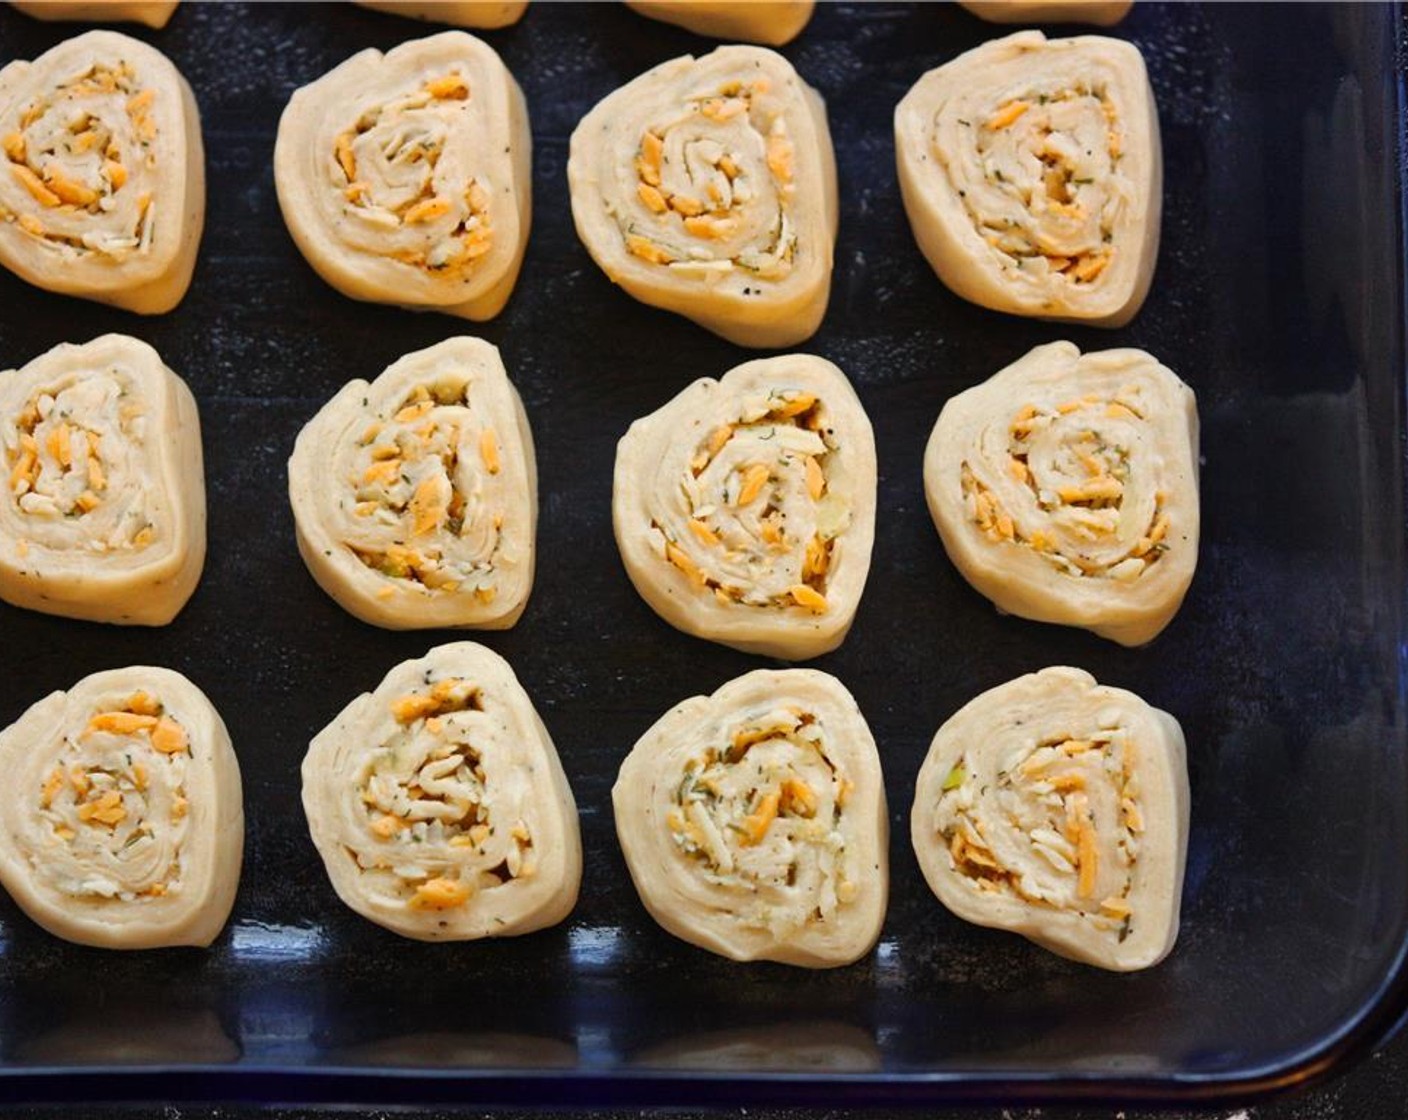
<point>416,496</point>
<point>405,178</point>
<point>122,824</point>
<point>103,514</point>
<point>744,509</point>
<point>1058,808</point>
<point>708,187</point>
<point>753,821</point>
<point>1033,178</point>
<point>771,22</point>
<point>102,190</point>
<point>485,15</point>
<point>439,806</point>
<point>1102,13</point>
<point>1065,489</point>
<point>154,13</point>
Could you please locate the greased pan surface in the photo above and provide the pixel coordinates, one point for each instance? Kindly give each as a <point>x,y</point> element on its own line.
<point>1279,298</point>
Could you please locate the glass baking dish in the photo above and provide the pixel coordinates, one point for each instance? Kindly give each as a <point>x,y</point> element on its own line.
<point>1279,297</point>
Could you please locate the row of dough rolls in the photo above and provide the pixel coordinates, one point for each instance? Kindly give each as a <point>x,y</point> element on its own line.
<point>1030,169</point>
<point>753,820</point>
<point>437,802</point>
<point>123,823</point>
<point>415,500</point>
<point>1064,488</point>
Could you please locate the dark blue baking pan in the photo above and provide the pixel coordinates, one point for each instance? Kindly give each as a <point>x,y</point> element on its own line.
<point>1279,297</point>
